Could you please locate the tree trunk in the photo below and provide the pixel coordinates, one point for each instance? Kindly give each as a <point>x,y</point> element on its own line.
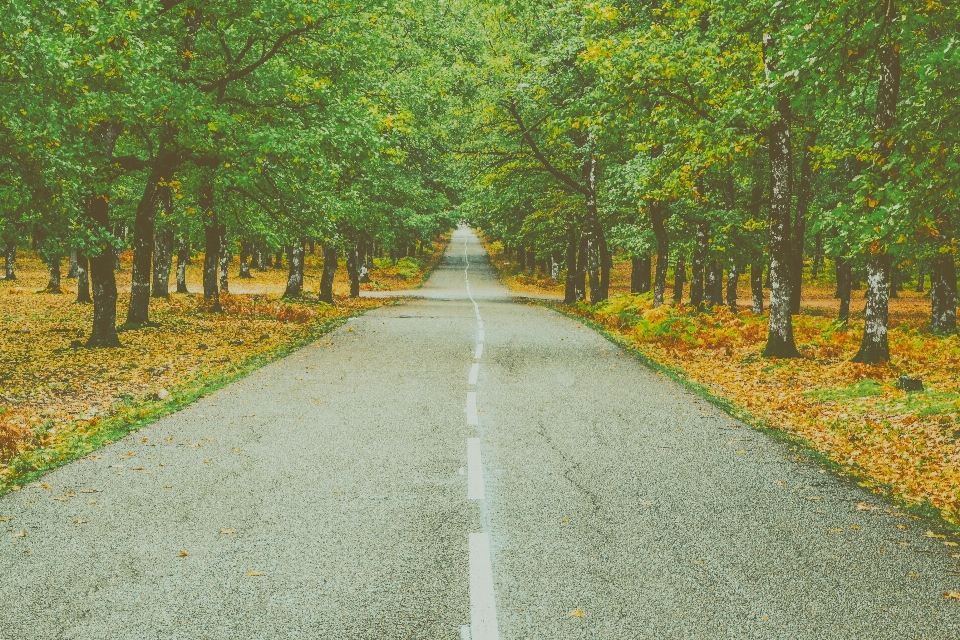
<point>875,349</point>
<point>522,259</point>
<point>920,280</point>
<point>226,259</point>
<point>697,268</point>
<point>363,271</point>
<point>183,259</point>
<point>844,281</point>
<point>278,261</point>
<point>329,271</point>
<point>756,286</point>
<point>581,280</point>
<point>53,284</point>
<point>83,279</point>
<point>10,255</point>
<point>244,259</point>
<point>657,220</point>
<point>155,191</point>
<point>714,285</point>
<point>943,295</point>
<point>679,278</point>
<point>569,284</point>
<point>162,263</point>
<point>74,266</point>
<point>211,237</point>
<point>258,260</point>
<point>606,265</point>
<point>353,269</point>
<point>295,273</point>
<point>733,279</point>
<point>103,280</point>
<point>640,274</point>
<point>780,343</point>
<point>532,260</point>
<point>817,255</point>
<point>895,286</point>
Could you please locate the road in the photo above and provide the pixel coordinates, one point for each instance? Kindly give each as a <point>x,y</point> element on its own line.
<point>461,466</point>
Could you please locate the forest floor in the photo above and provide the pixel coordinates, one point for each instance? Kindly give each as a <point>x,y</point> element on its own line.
<point>59,401</point>
<point>905,445</point>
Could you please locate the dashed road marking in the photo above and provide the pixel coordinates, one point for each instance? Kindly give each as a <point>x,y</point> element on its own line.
<point>483,606</point>
<point>479,352</point>
<point>474,372</point>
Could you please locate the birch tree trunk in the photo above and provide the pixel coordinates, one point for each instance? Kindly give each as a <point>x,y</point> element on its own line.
<point>697,267</point>
<point>353,269</point>
<point>244,259</point>
<point>844,283</point>
<point>226,258</point>
<point>733,280</point>
<point>83,279</point>
<point>756,287</point>
<point>679,279</point>
<point>875,348</point>
<point>10,256</point>
<point>943,295</point>
<point>162,263</point>
<point>295,272</point>
<point>780,342</point>
<point>183,259</point>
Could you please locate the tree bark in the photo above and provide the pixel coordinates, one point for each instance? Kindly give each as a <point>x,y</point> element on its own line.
<point>844,282</point>
<point>756,286</point>
<point>53,284</point>
<point>211,237</point>
<point>103,280</point>
<point>640,274</point>
<point>657,220</point>
<point>733,279</point>
<point>295,254</point>
<point>226,258</point>
<point>329,271</point>
<point>817,255</point>
<point>874,348</point>
<point>580,284</point>
<point>183,259</point>
<point>920,280</point>
<point>569,285</point>
<point>83,279</point>
<point>10,255</point>
<point>679,278</point>
<point>697,268</point>
<point>780,342</point>
<point>244,259</point>
<point>353,269</point>
<point>714,284</point>
<point>143,230</point>
<point>162,263</point>
<point>943,295</point>
<point>72,269</point>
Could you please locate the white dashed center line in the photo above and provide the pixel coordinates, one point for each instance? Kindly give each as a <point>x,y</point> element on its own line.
<point>483,607</point>
<point>479,352</point>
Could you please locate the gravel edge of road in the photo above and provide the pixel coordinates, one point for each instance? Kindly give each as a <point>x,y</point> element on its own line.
<point>145,413</point>
<point>800,445</point>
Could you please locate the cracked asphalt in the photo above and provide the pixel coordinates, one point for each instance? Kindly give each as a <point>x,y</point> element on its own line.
<point>325,496</point>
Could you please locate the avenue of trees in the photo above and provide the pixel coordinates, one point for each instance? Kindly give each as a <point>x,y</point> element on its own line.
<point>218,126</point>
<point>725,140</point>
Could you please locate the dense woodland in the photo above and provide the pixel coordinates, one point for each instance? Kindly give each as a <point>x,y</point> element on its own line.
<point>708,141</point>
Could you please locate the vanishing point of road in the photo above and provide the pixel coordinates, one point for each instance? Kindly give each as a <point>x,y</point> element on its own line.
<point>461,466</point>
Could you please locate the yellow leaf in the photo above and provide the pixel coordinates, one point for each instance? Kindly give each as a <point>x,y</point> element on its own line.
<point>80,521</point>
<point>952,595</point>
<point>931,534</point>
<point>183,554</point>
<point>576,613</point>
<point>254,573</point>
<point>227,531</point>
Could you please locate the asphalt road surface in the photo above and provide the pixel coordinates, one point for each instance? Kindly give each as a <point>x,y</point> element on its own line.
<point>461,466</point>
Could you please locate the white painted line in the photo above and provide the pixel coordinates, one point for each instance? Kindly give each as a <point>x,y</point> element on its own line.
<point>480,335</point>
<point>465,632</point>
<point>472,408</point>
<point>476,356</point>
<point>474,470</point>
<point>479,323</point>
<point>483,606</point>
<point>474,371</point>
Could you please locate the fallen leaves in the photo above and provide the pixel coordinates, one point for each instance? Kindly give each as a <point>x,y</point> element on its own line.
<point>183,554</point>
<point>226,532</point>
<point>253,573</point>
<point>951,595</point>
<point>576,613</point>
